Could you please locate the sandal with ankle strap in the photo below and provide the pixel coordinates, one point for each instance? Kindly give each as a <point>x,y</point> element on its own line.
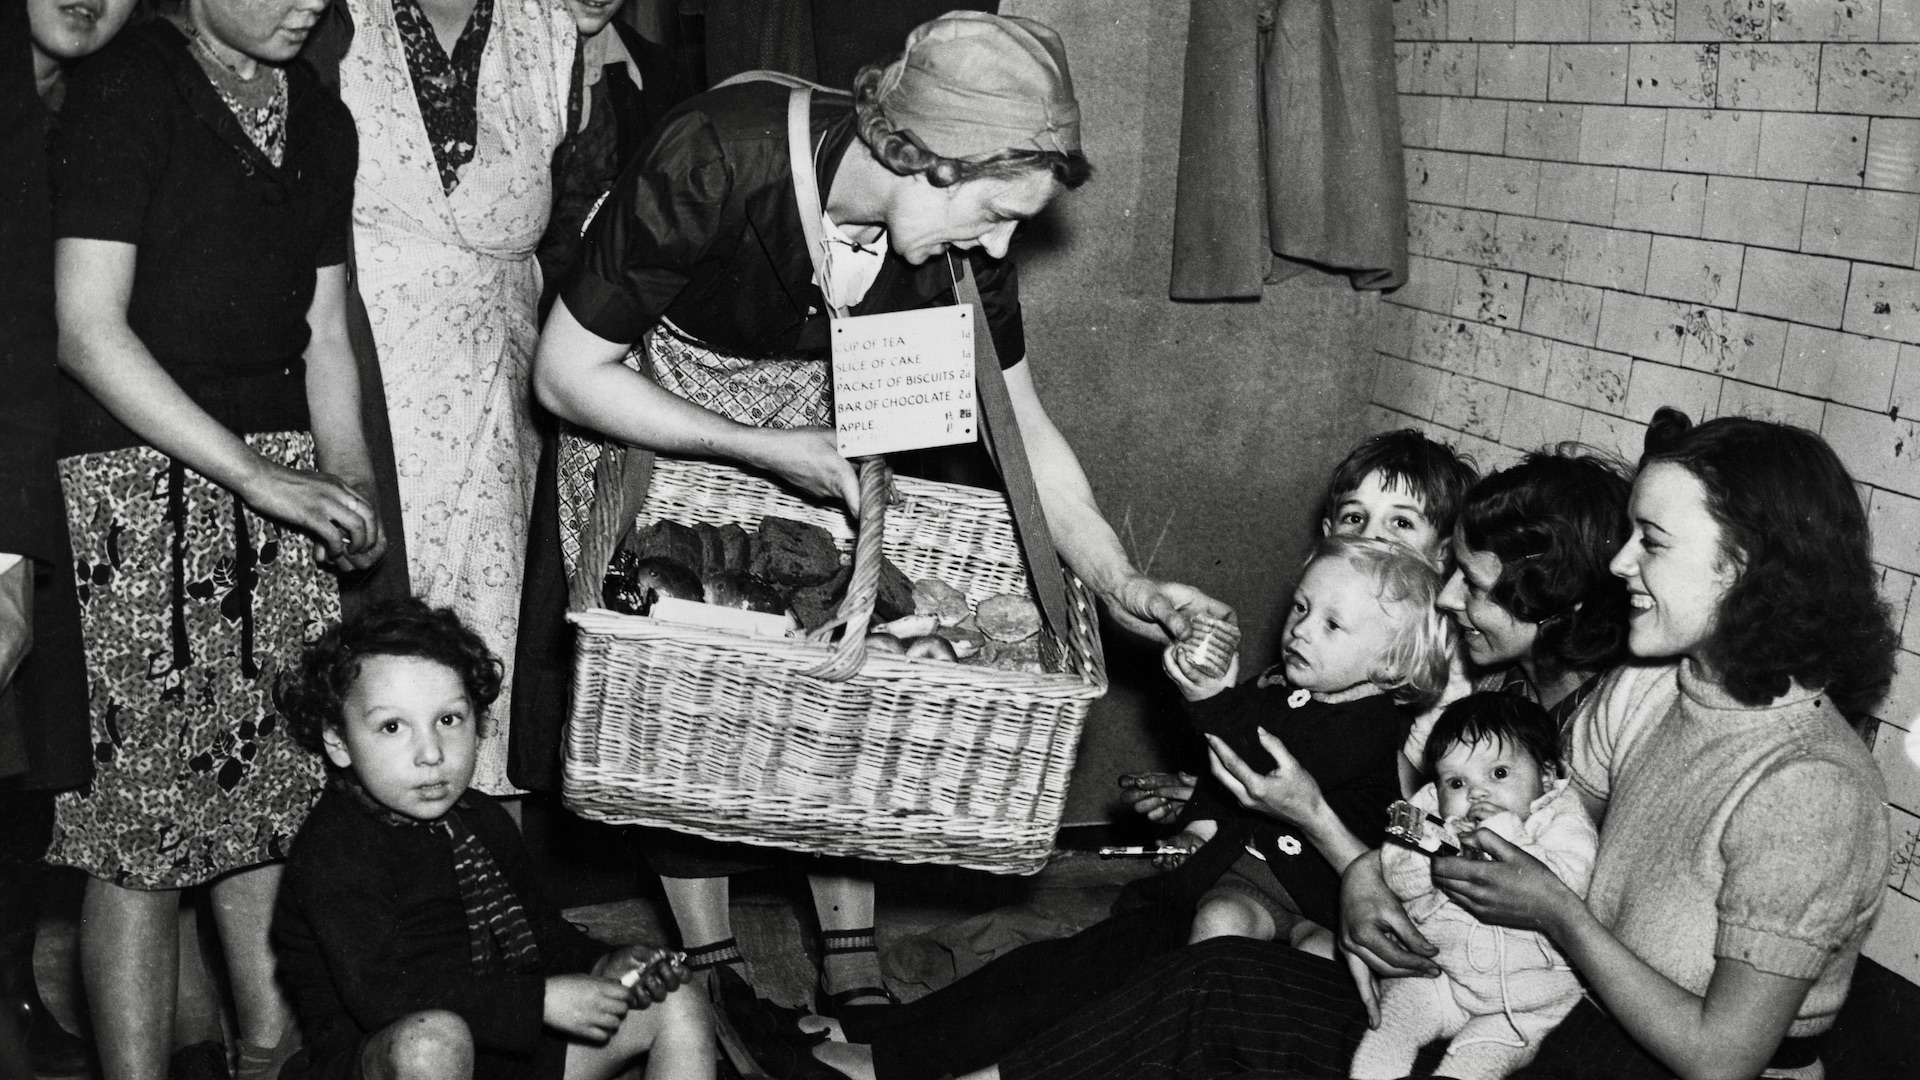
<point>832,1004</point>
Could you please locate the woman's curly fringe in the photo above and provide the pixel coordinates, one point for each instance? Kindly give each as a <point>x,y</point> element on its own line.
<point>905,155</point>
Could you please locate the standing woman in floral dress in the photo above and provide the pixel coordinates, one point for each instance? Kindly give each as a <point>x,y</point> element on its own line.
<point>460,105</point>
<point>214,470</point>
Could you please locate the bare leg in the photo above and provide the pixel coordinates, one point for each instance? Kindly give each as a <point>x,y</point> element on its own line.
<point>433,1045</point>
<point>196,1005</point>
<point>846,903</point>
<point>129,959</point>
<point>1227,914</point>
<point>243,910</point>
<point>700,909</point>
<point>676,1035</point>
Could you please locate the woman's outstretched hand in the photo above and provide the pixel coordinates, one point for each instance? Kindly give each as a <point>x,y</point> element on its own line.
<point>1514,889</point>
<point>1374,926</point>
<point>341,522</point>
<point>1289,792</point>
<point>1161,610</point>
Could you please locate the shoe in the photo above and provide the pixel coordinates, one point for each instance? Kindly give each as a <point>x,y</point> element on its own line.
<point>201,1061</point>
<point>51,1049</point>
<point>844,943</point>
<point>760,1039</point>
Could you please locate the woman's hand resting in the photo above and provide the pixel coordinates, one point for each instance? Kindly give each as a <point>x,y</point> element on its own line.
<point>1374,926</point>
<point>1514,889</point>
<point>809,459</point>
<point>341,522</point>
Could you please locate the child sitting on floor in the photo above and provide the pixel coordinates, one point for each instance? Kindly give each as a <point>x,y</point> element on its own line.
<point>1362,638</point>
<point>413,935</point>
<point>1394,485</point>
<point>1496,759</point>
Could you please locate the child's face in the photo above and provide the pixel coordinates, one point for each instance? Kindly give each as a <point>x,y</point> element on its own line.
<point>1478,780</point>
<point>408,733</point>
<point>1337,629</point>
<point>1385,510</point>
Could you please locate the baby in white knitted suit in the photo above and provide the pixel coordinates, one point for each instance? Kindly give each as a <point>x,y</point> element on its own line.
<point>1495,757</point>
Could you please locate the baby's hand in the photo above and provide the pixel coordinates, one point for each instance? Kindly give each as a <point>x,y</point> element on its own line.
<point>1188,840</point>
<point>585,1006</point>
<point>1160,796</point>
<point>1199,679</point>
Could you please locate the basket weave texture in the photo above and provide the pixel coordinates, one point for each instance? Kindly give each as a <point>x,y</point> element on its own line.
<point>911,761</point>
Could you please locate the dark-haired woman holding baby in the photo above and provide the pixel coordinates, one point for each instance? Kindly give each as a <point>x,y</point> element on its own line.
<point>1743,839</point>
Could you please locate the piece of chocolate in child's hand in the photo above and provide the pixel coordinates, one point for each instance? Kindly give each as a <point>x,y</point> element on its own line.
<point>1209,645</point>
<point>1419,830</point>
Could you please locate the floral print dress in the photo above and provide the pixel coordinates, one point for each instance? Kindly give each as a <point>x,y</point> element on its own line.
<point>452,287</point>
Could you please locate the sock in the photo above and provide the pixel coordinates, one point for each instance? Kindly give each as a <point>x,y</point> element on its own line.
<point>264,1062</point>
<point>848,961</point>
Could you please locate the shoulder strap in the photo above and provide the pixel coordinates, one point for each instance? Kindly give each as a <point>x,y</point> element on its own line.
<point>806,186</point>
<point>1009,450</point>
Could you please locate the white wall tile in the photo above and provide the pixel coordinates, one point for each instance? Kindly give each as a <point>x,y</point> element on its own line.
<point>1504,185</point>
<point>1721,20</point>
<point>1884,302</point>
<point>1588,378</point>
<point>1542,130</point>
<point>1536,422</point>
<point>1513,359</point>
<point>1612,434</point>
<point>1444,67</point>
<point>1407,387</point>
<point>1825,20</point>
<point>1680,76</point>
<point>1900,20</point>
<point>1468,405</point>
<point>1696,271</point>
<point>1893,154</point>
<point>1610,258</point>
<point>1642,326</point>
<point>1582,193</point>
<point>1631,20</point>
<point>1814,147</point>
<point>1489,296</point>
<point>1894,941</point>
<point>1876,448</point>
<point>1723,141</point>
<point>1632,135</point>
<point>1436,176</point>
<point>1855,223</point>
<point>1513,71</point>
<point>1480,20</point>
<point>1895,521</point>
<point>1780,77</point>
<point>1906,839</point>
<point>1764,212</point>
<point>1906,382</point>
<point>1872,79</point>
<point>1531,245</point>
<point>1651,385</point>
<point>1419,20</point>
<point>1766,403</point>
<point>1465,236</point>
<point>1470,125</point>
<point>1549,20</point>
<point>1734,344</point>
<point>1591,73</point>
<point>1662,202</point>
<point>1844,367</point>
<point>1562,311</point>
<point>1798,288</point>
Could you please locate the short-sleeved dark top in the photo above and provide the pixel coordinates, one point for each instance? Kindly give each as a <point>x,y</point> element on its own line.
<point>703,229</point>
<point>228,242</point>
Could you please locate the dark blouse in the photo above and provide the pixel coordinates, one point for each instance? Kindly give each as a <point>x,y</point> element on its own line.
<point>703,229</point>
<point>369,926</point>
<point>1351,749</point>
<point>228,242</point>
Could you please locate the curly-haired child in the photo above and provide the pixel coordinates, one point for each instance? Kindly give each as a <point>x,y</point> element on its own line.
<point>412,932</point>
<point>1495,757</point>
<point>1362,639</point>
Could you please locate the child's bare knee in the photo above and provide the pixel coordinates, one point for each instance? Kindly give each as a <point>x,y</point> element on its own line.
<point>431,1045</point>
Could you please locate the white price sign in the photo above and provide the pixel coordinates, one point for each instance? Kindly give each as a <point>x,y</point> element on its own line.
<point>904,381</point>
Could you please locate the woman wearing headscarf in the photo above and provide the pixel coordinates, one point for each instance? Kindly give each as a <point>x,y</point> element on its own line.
<point>701,251</point>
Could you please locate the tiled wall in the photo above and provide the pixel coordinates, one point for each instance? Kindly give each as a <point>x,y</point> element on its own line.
<point>1713,204</point>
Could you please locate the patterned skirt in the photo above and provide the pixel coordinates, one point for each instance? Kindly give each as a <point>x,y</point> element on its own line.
<point>191,605</point>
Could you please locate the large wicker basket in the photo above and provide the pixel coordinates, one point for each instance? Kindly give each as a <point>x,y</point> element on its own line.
<point>907,761</point>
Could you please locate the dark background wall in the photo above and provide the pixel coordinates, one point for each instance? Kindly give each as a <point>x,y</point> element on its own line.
<point>1207,429</point>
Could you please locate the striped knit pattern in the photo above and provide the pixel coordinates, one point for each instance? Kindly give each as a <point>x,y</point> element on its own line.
<point>496,926</point>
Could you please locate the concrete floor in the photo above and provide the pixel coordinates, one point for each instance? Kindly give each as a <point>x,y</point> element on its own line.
<point>773,923</point>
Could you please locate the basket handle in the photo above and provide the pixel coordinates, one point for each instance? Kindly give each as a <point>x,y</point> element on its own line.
<point>627,471</point>
<point>863,587</point>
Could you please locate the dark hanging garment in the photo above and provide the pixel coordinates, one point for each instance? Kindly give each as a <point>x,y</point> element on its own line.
<point>759,35</point>
<point>850,34</point>
<point>1289,148</point>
